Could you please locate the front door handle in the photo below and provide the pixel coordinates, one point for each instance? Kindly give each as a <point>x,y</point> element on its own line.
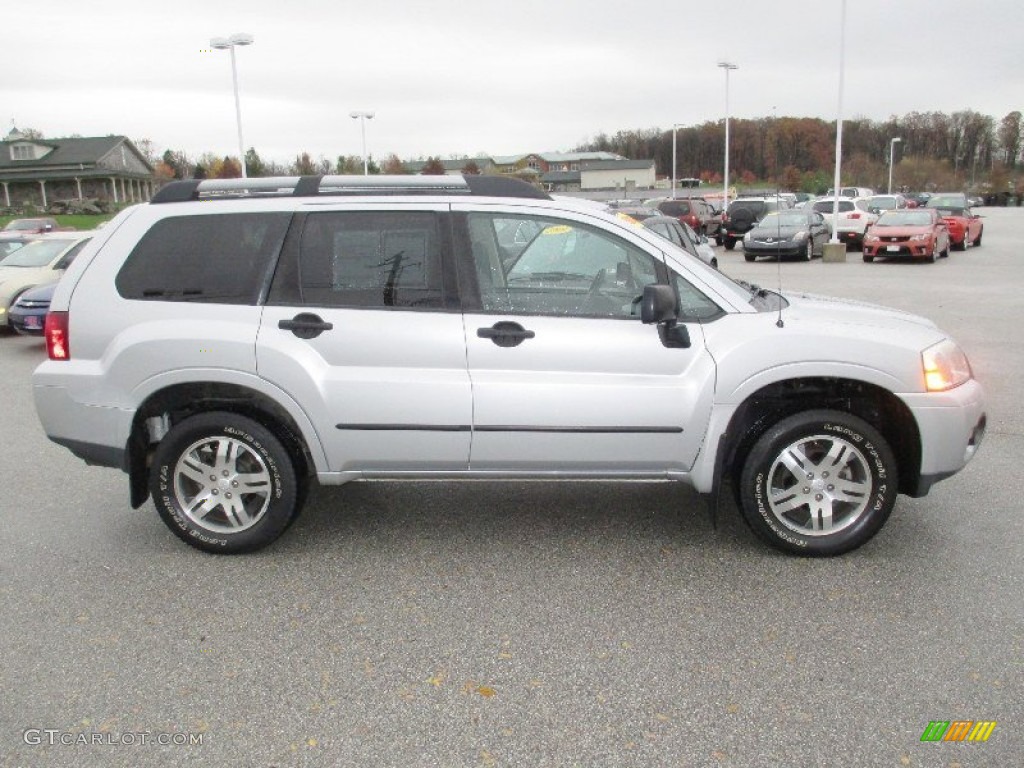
<point>505,334</point>
<point>305,325</point>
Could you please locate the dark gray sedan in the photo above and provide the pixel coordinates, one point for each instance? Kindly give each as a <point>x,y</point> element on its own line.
<point>798,233</point>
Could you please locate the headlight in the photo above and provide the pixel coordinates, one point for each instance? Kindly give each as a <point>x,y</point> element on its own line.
<point>870,238</point>
<point>919,238</point>
<point>945,366</point>
<point>746,238</point>
<point>801,235</point>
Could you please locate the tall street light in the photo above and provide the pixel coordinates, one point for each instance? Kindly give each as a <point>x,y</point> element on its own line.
<point>362,117</point>
<point>230,43</point>
<point>675,127</point>
<point>892,146</point>
<point>727,66</point>
<point>836,189</point>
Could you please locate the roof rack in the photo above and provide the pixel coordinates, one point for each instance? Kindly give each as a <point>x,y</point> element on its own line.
<point>319,186</point>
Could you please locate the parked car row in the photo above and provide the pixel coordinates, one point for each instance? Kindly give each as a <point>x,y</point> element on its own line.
<point>40,262</point>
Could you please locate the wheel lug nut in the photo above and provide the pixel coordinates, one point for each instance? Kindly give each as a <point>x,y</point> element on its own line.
<point>213,477</point>
<point>831,487</point>
<point>225,473</point>
<point>234,483</point>
<point>824,474</point>
<point>807,490</point>
<point>228,495</point>
<point>817,497</point>
<point>215,491</point>
<point>810,475</point>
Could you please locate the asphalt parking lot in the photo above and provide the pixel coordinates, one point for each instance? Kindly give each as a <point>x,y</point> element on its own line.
<point>517,624</point>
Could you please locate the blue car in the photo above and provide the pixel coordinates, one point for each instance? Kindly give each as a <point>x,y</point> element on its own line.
<point>28,313</point>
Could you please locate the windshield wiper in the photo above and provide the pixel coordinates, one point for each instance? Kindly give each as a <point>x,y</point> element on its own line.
<point>552,276</point>
<point>755,289</point>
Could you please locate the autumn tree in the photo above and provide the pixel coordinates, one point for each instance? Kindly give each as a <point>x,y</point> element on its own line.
<point>1010,129</point>
<point>303,165</point>
<point>471,168</point>
<point>179,163</point>
<point>254,165</point>
<point>433,167</point>
<point>393,165</point>
<point>227,168</point>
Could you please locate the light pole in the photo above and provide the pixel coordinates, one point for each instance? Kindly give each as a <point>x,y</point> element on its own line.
<point>675,127</point>
<point>362,117</point>
<point>230,43</point>
<point>727,66</point>
<point>839,125</point>
<point>892,146</point>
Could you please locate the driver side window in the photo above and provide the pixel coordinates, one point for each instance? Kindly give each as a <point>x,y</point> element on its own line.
<point>545,266</point>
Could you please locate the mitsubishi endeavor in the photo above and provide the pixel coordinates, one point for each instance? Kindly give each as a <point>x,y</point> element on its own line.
<point>232,341</point>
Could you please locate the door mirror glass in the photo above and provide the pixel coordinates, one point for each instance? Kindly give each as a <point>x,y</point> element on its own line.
<point>658,304</point>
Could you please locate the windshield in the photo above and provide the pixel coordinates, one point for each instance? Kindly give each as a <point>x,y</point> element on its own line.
<point>904,219</point>
<point>884,203</point>
<point>825,206</point>
<point>674,208</point>
<point>947,201</point>
<point>785,219</point>
<point>38,253</point>
<point>8,247</point>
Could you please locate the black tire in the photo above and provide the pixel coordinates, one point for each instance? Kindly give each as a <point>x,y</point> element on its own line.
<point>944,254</point>
<point>714,263</point>
<point>750,256</point>
<point>718,240</point>
<point>962,245</point>
<point>230,447</point>
<point>977,241</point>
<point>868,258</point>
<point>730,243</point>
<point>864,463</point>
<point>930,258</point>
<point>808,253</point>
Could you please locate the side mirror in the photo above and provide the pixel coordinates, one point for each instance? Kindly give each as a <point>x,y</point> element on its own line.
<point>658,304</point>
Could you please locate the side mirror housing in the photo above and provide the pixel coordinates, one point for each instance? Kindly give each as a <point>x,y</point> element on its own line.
<point>658,304</point>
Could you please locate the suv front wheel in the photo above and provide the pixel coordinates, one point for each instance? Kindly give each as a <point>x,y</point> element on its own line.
<point>224,483</point>
<point>818,483</point>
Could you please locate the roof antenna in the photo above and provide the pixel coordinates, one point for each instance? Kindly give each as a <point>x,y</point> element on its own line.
<point>778,217</point>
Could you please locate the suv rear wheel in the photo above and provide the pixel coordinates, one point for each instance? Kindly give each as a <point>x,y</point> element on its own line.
<point>224,483</point>
<point>818,483</point>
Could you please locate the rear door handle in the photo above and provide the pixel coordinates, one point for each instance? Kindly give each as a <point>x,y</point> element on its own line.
<point>505,334</point>
<point>305,325</point>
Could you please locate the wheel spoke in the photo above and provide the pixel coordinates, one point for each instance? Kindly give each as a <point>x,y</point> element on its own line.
<point>789,503</point>
<point>195,471</point>
<point>253,482</point>
<point>196,506</point>
<point>225,451</point>
<point>794,463</point>
<point>850,490</point>
<point>821,515</point>
<point>237,514</point>
<point>837,455</point>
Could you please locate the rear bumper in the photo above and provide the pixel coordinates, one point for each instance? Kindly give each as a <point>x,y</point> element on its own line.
<point>96,434</point>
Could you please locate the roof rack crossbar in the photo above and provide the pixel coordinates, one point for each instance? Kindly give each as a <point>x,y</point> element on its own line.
<point>317,186</point>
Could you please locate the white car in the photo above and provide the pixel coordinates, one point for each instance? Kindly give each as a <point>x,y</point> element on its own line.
<point>234,340</point>
<point>855,216</point>
<point>39,262</point>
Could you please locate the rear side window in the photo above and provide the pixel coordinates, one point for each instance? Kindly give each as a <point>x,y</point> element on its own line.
<point>371,259</point>
<point>215,259</point>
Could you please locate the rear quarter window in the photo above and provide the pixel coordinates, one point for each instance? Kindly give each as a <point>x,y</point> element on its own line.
<point>217,259</point>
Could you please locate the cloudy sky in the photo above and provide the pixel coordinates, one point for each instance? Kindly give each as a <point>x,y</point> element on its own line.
<point>455,77</point>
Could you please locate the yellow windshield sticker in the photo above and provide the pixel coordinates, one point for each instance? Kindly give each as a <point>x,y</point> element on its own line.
<point>557,229</point>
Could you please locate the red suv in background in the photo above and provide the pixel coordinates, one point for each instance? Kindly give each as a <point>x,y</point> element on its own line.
<point>694,211</point>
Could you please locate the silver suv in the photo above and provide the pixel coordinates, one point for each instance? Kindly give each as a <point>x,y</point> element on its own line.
<point>233,340</point>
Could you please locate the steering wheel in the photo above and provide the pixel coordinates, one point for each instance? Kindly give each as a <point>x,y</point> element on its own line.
<point>594,298</point>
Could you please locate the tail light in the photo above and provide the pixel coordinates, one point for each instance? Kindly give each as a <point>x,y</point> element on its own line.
<point>853,216</point>
<point>56,332</point>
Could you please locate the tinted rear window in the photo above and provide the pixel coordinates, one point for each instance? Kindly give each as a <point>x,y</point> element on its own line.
<point>218,259</point>
<point>826,206</point>
<point>674,208</point>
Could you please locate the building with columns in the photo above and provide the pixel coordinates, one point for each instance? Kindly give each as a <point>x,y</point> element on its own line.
<point>39,171</point>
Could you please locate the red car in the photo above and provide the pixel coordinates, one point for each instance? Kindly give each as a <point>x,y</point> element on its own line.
<point>916,233</point>
<point>964,227</point>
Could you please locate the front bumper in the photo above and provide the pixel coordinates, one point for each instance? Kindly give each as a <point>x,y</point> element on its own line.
<point>952,427</point>
<point>785,248</point>
<point>913,249</point>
